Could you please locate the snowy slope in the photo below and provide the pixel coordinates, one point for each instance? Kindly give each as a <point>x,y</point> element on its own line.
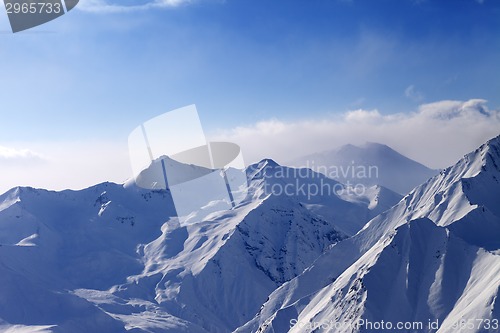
<point>52,242</point>
<point>112,258</point>
<point>246,254</point>
<point>369,164</point>
<point>434,256</point>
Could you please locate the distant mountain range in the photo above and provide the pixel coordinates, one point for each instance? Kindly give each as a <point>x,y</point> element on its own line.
<point>114,258</point>
<point>369,164</point>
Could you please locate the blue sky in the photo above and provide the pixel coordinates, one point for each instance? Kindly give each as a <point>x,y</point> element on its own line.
<point>88,78</point>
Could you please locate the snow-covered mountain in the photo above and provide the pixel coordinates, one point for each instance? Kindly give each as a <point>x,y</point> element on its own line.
<point>114,258</point>
<point>369,164</point>
<point>431,260</point>
<point>301,253</point>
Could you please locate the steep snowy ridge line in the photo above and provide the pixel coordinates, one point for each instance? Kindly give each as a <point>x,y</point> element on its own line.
<point>9,198</point>
<point>443,199</point>
<point>402,278</point>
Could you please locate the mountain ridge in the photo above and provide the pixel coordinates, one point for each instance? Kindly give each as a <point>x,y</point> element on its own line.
<point>114,258</point>
<point>424,202</point>
<point>119,252</point>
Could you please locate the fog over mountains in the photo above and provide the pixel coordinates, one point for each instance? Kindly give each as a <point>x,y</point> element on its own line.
<point>369,164</point>
<point>114,258</point>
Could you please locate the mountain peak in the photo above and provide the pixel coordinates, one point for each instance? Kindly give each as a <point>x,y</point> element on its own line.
<point>493,147</point>
<point>346,150</point>
<point>484,158</point>
<point>372,145</point>
<point>351,163</point>
<point>268,162</point>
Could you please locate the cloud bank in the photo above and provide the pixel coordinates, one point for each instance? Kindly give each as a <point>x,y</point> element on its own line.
<point>18,156</point>
<point>436,134</point>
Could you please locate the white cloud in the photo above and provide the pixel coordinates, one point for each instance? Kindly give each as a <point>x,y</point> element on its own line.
<point>447,110</point>
<point>108,6</point>
<point>14,155</point>
<point>362,116</point>
<point>412,93</point>
<point>436,134</point>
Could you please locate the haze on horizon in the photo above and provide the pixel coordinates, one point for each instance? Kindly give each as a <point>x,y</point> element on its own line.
<point>279,78</point>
